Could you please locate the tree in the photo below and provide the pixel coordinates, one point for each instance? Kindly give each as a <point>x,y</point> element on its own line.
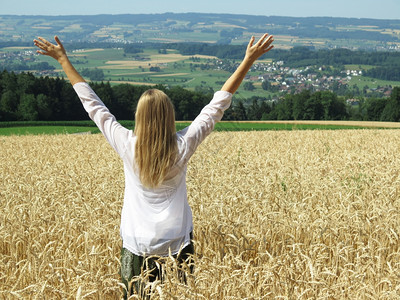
<point>27,108</point>
<point>105,93</point>
<point>284,109</point>
<point>248,86</point>
<point>266,85</point>
<point>8,105</point>
<point>253,111</point>
<point>155,69</point>
<point>314,109</point>
<point>374,109</point>
<point>9,81</point>
<point>299,104</point>
<point>126,98</point>
<point>44,107</point>
<point>265,109</point>
<point>239,112</point>
<point>93,74</point>
<point>391,112</point>
<point>187,104</point>
<point>332,107</point>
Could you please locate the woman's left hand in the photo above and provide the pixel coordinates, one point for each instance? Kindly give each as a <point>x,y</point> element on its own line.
<point>55,51</point>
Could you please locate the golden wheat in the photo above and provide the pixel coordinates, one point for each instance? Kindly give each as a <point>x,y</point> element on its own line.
<point>277,215</point>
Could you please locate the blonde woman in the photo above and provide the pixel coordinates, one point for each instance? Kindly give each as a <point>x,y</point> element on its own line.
<point>156,219</point>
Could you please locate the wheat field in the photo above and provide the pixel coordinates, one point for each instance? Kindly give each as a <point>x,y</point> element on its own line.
<point>277,215</point>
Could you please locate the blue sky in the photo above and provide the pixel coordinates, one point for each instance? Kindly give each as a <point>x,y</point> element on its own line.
<point>376,9</point>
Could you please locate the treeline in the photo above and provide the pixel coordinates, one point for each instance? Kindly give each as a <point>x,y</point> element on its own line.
<point>24,97</point>
<point>306,56</point>
<point>385,73</point>
<point>93,74</point>
<point>306,105</point>
<point>23,66</point>
<point>322,105</point>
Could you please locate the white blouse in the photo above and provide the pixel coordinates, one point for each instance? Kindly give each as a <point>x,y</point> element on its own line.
<point>154,221</point>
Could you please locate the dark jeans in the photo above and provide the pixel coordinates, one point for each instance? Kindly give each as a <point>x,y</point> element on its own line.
<point>133,265</point>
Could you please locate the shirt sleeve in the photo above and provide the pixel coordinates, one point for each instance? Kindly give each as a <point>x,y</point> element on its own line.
<point>114,132</point>
<point>205,122</point>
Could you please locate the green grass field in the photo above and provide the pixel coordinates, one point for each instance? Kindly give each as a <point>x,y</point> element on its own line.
<point>37,130</point>
<point>362,81</point>
<point>89,128</point>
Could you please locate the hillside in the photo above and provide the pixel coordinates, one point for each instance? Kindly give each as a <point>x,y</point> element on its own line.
<point>319,32</point>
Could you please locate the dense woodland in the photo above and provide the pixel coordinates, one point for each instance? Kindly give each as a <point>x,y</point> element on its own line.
<point>24,97</point>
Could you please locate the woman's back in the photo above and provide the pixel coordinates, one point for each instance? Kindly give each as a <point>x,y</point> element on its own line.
<point>154,220</point>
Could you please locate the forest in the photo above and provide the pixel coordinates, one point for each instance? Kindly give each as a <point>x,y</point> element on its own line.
<point>25,97</point>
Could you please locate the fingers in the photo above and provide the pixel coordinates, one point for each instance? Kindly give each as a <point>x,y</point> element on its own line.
<point>42,52</point>
<point>251,42</point>
<point>267,49</point>
<point>58,41</point>
<point>265,44</point>
<point>44,42</point>
<point>45,46</point>
<point>269,40</point>
<point>41,45</point>
<point>260,41</point>
<point>38,43</point>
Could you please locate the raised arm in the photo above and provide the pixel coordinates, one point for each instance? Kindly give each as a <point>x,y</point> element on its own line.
<point>115,134</point>
<point>253,52</point>
<point>59,54</point>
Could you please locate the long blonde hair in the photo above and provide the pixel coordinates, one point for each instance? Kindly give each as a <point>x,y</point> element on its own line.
<point>156,145</point>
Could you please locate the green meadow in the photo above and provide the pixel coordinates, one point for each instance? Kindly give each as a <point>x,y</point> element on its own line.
<point>87,127</point>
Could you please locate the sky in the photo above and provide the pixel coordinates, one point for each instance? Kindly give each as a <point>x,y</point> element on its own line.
<point>375,9</point>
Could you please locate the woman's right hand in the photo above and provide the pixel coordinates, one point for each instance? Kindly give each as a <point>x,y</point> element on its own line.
<point>253,52</point>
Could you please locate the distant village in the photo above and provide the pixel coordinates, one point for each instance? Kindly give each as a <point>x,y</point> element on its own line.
<point>283,79</point>
<point>287,79</point>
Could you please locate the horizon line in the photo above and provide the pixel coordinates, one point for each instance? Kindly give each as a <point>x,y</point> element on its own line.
<point>202,13</point>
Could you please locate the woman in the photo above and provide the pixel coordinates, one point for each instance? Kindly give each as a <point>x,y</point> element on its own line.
<point>156,219</point>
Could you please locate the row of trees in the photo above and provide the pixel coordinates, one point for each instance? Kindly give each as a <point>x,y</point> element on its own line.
<point>20,65</point>
<point>322,105</point>
<point>26,97</point>
<point>306,105</point>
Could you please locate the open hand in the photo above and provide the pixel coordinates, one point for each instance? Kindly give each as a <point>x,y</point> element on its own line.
<point>55,51</point>
<point>263,45</point>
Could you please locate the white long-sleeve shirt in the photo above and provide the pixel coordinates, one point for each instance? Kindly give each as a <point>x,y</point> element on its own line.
<point>154,221</point>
